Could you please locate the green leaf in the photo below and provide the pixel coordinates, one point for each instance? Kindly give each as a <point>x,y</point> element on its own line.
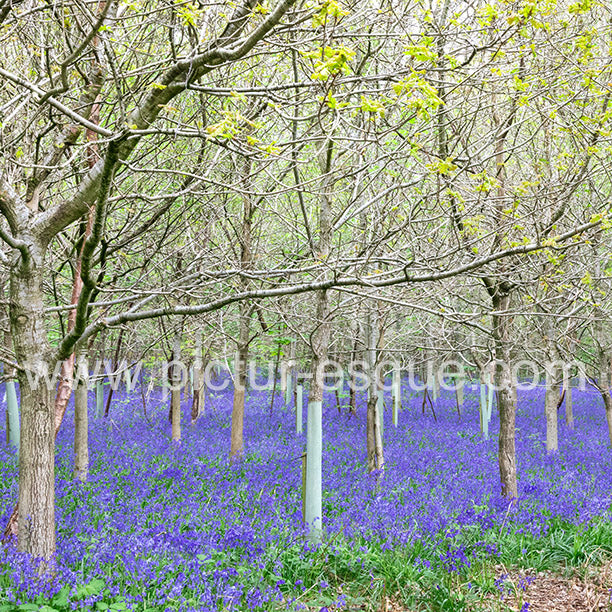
<point>329,9</point>
<point>330,61</point>
<point>93,588</point>
<point>61,599</point>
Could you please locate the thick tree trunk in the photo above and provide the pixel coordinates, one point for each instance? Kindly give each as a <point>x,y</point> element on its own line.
<point>502,324</point>
<point>36,505</point>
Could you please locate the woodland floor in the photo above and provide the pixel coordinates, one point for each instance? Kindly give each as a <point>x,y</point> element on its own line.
<point>586,589</point>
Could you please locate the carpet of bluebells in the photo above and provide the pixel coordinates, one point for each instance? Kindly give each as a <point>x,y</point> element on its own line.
<point>166,526</point>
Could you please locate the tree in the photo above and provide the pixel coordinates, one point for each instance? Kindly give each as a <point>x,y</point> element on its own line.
<point>40,207</point>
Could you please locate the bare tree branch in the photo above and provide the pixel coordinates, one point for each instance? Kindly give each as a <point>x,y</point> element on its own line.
<point>173,82</point>
<point>373,282</point>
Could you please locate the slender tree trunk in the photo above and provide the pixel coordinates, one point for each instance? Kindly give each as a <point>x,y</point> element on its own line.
<point>240,382</point>
<point>81,425</point>
<point>197,403</point>
<point>195,400</point>
<point>64,388</point>
<point>314,474</point>
<point>551,403</point>
<point>374,417</point>
<point>290,374</point>
<point>499,290</point>
<point>275,376</point>
<point>12,405</point>
<point>109,397</point>
<point>242,356</point>
<point>605,383</point>
<point>371,431</point>
<point>502,325</point>
<point>353,381</point>
<point>569,407</point>
<point>607,398</point>
<point>175,398</point>
<point>320,346</point>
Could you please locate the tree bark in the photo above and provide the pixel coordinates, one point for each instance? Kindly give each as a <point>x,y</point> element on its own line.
<point>502,324</point>
<point>242,354</point>
<point>175,398</point>
<point>551,402</point>
<point>320,346</point>
<point>197,405</point>
<point>109,397</point>
<point>374,433</point>
<point>240,381</point>
<point>607,398</point>
<point>81,425</point>
<point>569,406</point>
<point>36,505</point>
<point>605,382</point>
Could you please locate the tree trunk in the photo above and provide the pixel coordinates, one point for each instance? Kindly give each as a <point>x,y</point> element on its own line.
<point>607,398</point>
<point>175,399</point>
<point>569,407</point>
<point>374,417</point>
<point>314,424</point>
<point>240,381</point>
<point>197,404</point>
<point>320,346</point>
<point>353,379</point>
<point>605,383</point>
<point>275,375</point>
<point>502,324</point>
<point>81,425</point>
<point>551,402</point>
<point>36,505</point>
<point>396,393</point>
<point>240,375</point>
<point>12,405</point>
<point>109,397</point>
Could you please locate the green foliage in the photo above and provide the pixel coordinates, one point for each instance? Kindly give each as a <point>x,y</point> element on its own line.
<point>417,94</point>
<point>329,61</point>
<point>189,13</point>
<point>370,105</point>
<point>423,51</point>
<point>328,10</point>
